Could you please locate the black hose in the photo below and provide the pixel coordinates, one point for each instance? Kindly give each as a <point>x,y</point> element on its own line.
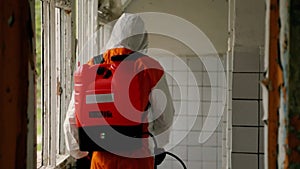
<point>154,140</point>
<point>170,154</point>
<point>177,158</point>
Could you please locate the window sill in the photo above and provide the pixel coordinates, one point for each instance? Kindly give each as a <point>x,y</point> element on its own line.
<point>63,162</point>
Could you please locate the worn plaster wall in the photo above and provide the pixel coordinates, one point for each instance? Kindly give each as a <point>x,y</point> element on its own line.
<point>289,126</point>
<point>209,16</point>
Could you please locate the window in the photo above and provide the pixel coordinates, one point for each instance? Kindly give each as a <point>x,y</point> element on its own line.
<point>58,58</point>
<point>69,36</point>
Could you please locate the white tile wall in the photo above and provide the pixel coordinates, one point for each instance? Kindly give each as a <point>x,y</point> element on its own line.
<point>195,64</point>
<point>209,154</point>
<point>212,141</point>
<point>210,78</point>
<point>169,77</point>
<point>195,153</point>
<point>181,107</point>
<point>179,64</point>
<point>261,140</point>
<point>177,165</point>
<point>261,77</point>
<point>246,60</point>
<point>191,96</point>
<point>245,85</point>
<point>194,108</point>
<point>205,108</point>
<point>194,165</point>
<point>167,63</point>
<point>195,123</point>
<point>245,112</point>
<point>181,152</point>
<point>245,139</point>
<point>192,139</point>
<point>195,78</point>
<point>180,92</point>
<point>247,132</point>
<point>210,63</point>
<point>207,165</point>
<point>180,78</point>
<point>167,163</point>
<point>249,23</point>
<point>261,113</point>
<point>261,162</point>
<point>205,78</point>
<point>244,161</point>
<point>193,93</point>
<point>206,94</point>
<point>180,123</point>
<point>178,137</point>
<point>262,59</point>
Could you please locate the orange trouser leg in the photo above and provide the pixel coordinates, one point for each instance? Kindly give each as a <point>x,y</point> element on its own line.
<point>105,160</point>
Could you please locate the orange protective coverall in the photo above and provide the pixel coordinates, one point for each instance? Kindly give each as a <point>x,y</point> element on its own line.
<point>107,160</point>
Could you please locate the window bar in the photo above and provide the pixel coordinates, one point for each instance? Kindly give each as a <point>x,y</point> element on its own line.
<point>53,82</point>
<point>62,81</point>
<point>59,41</point>
<point>45,80</point>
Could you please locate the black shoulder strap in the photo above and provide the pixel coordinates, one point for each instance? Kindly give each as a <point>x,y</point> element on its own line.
<point>98,59</point>
<point>133,56</point>
<point>118,57</point>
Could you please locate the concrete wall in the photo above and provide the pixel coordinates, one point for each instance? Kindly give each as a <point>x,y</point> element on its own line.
<point>209,16</point>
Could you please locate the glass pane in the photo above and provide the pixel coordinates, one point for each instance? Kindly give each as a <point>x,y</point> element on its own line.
<point>38,86</point>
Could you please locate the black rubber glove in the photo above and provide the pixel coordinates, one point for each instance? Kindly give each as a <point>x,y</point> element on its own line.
<point>160,155</point>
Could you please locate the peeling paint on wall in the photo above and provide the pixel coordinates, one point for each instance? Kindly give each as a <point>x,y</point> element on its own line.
<point>289,130</point>
<point>275,82</point>
<point>283,62</point>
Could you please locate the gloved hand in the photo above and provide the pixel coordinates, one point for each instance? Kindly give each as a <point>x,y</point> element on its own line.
<point>160,155</point>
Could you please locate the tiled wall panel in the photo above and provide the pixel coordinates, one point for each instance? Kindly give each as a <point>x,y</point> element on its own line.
<point>192,96</point>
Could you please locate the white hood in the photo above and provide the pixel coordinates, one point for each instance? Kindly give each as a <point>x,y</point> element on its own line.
<point>128,32</point>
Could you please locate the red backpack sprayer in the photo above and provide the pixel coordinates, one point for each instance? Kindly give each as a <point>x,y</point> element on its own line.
<point>104,119</point>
